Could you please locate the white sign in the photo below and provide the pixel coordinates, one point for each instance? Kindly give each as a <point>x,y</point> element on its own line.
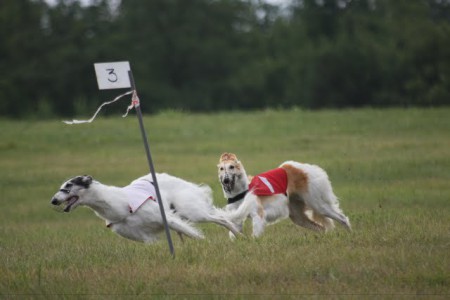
<point>113,75</point>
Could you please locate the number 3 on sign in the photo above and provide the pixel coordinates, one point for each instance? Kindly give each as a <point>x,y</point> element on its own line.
<point>112,75</point>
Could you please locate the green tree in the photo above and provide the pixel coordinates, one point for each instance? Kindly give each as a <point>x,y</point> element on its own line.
<point>20,49</point>
<point>207,55</point>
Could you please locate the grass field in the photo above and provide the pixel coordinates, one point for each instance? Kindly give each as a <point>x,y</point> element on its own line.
<point>390,168</point>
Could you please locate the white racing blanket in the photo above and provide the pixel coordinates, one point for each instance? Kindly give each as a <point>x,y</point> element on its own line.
<point>138,192</point>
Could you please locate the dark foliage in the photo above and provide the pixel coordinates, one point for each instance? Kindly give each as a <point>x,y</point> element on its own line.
<point>206,55</point>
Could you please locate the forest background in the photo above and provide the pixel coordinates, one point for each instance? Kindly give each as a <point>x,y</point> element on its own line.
<point>216,55</point>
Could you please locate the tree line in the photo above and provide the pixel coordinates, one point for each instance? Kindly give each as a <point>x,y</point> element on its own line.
<point>208,55</point>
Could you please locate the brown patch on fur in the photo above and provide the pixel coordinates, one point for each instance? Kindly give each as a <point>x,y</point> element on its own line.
<point>260,207</point>
<point>228,156</point>
<point>297,179</point>
<point>265,200</point>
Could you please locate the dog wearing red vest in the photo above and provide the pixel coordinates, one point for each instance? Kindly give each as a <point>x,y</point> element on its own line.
<point>296,190</point>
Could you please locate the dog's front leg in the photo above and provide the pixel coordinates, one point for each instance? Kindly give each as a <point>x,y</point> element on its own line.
<point>258,225</point>
<point>258,220</point>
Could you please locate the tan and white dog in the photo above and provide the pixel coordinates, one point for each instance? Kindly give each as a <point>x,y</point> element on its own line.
<point>296,190</point>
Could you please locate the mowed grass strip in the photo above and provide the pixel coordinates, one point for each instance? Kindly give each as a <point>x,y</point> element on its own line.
<point>390,169</point>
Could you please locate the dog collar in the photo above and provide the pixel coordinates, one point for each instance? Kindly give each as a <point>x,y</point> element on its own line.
<point>238,197</point>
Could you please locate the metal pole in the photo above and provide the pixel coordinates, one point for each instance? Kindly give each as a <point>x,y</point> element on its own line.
<point>152,168</point>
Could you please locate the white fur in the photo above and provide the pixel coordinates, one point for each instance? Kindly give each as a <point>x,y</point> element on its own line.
<point>314,209</point>
<point>320,197</point>
<point>191,202</point>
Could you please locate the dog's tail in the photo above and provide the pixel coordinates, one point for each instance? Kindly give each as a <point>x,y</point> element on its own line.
<point>243,211</point>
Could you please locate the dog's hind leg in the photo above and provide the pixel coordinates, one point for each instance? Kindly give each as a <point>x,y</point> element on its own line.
<point>225,223</point>
<point>325,203</point>
<point>297,208</point>
<point>239,228</point>
<point>182,227</point>
<point>326,222</point>
<point>337,216</point>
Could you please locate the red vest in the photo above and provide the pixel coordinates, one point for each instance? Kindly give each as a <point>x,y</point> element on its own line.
<point>269,183</point>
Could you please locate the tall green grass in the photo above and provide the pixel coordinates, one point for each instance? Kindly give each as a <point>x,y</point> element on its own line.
<point>390,169</point>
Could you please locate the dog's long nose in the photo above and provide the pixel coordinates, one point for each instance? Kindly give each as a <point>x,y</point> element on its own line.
<point>226,180</point>
<point>54,201</point>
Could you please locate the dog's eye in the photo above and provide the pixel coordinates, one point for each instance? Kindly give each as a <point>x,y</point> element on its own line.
<point>231,167</point>
<point>221,169</point>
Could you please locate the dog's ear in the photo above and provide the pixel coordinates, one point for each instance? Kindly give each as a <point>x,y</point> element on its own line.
<point>84,181</point>
<point>228,156</point>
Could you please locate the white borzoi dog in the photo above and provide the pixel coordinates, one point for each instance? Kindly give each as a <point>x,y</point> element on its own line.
<point>299,191</point>
<point>133,211</point>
